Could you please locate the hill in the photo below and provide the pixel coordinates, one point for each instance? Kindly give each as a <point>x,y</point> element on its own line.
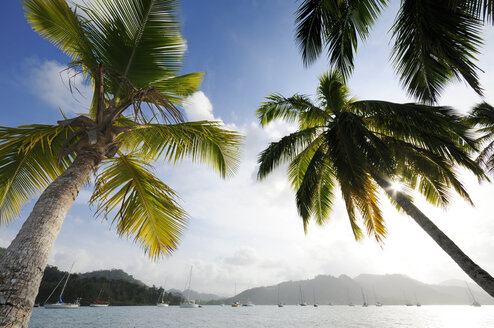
<point>394,289</point>
<point>113,274</point>
<point>90,287</point>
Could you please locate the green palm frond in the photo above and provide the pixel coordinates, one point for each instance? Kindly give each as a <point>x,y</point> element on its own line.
<point>202,141</point>
<point>337,25</point>
<point>57,22</point>
<point>435,41</point>
<point>177,88</point>
<point>143,207</point>
<point>139,40</point>
<point>482,9</point>
<point>297,108</point>
<point>283,151</point>
<point>298,165</point>
<point>28,164</point>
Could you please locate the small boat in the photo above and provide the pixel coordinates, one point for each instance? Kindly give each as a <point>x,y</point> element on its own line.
<point>280,304</point>
<point>61,304</point>
<point>379,304</point>
<point>98,302</point>
<point>248,304</point>
<point>314,294</point>
<point>189,304</point>
<point>302,302</point>
<point>161,301</point>
<point>475,302</point>
<point>36,305</point>
<point>364,304</point>
<point>235,304</point>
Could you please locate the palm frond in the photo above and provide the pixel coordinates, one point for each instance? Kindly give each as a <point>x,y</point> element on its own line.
<point>297,108</point>
<point>28,164</point>
<point>338,25</point>
<point>61,25</point>
<point>177,88</point>
<point>482,10</point>
<point>434,41</point>
<point>202,141</point>
<point>284,150</point>
<point>139,40</point>
<point>142,206</point>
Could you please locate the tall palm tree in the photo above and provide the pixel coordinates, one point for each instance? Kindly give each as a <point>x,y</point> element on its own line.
<point>434,41</point>
<point>368,145</point>
<point>131,52</point>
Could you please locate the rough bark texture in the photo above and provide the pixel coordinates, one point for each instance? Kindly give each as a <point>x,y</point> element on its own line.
<point>23,263</point>
<point>479,275</point>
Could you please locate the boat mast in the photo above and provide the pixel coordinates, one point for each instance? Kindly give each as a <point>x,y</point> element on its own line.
<point>190,281</point>
<point>66,281</point>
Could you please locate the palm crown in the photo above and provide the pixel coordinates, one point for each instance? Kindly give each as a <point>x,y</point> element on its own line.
<point>434,41</point>
<point>131,52</point>
<point>355,144</point>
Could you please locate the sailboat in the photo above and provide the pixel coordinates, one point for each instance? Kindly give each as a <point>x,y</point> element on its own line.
<point>302,302</point>
<point>236,303</point>
<point>98,302</point>
<point>60,304</point>
<point>365,304</point>
<point>378,304</point>
<point>189,304</point>
<point>161,302</point>
<point>417,301</point>
<point>475,302</point>
<point>314,294</point>
<point>280,304</point>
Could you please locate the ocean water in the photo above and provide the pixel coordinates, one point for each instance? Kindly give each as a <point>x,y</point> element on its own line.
<point>266,316</point>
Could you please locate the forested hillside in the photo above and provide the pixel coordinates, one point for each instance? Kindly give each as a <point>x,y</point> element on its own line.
<point>117,292</point>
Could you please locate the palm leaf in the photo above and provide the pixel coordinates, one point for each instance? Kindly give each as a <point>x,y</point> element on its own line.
<point>337,25</point>
<point>139,40</point>
<point>143,206</point>
<point>434,41</point>
<point>284,150</point>
<point>57,22</point>
<point>177,88</point>
<point>203,141</point>
<point>28,164</point>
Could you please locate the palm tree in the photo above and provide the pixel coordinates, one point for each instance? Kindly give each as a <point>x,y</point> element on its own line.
<point>366,145</point>
<point>434,41</point>
<point>131,52</point>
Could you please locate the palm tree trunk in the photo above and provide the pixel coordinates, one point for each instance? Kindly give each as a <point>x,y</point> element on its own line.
<point>479,275</point>
<point>23,263</point>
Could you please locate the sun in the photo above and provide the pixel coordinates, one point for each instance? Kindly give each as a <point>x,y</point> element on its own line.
<point>396,186</point>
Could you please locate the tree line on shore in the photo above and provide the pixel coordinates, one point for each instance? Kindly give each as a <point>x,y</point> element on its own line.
<point>117,292</point>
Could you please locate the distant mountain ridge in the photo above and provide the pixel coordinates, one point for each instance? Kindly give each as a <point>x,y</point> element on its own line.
<point>391,289</point>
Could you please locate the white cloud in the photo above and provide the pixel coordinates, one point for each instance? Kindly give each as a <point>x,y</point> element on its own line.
<point>242,257</point>
<point>58,86</point>
<point>198,107</point>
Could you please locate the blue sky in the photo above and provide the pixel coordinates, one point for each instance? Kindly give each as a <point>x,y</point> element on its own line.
<point>241,230</point>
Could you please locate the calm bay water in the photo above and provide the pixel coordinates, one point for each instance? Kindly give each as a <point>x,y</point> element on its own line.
<point>267,316</point>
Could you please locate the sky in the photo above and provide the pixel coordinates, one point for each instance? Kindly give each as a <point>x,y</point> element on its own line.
<point>242,231</point>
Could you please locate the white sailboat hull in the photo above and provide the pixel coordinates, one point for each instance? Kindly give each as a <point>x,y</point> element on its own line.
<point>162,305</point>
<point>61,306</point>
<point>98,305</point>
<point>189,305</point>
